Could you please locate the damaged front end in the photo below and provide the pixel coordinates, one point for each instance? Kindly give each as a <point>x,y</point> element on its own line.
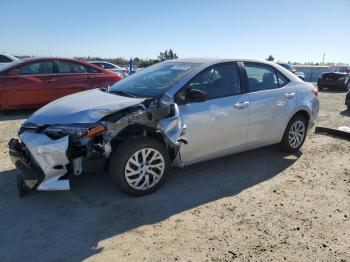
<point>47,155</point>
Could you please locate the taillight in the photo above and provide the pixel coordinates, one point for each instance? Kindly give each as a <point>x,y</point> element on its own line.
<point>315,91</point>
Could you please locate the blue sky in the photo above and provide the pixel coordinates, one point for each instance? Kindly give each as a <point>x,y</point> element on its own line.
<point>293,30</point>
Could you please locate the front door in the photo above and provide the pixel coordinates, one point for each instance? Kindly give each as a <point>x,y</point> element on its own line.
<point>34,85</point>
<point>219,124</point>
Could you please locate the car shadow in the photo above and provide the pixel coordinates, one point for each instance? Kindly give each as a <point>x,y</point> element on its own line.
<point>345,112</point>
<point>56,225</point>
<point>15,114</point>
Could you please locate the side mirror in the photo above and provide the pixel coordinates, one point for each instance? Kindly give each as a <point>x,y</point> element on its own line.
<point>195,95</point>
<point>14,72</point>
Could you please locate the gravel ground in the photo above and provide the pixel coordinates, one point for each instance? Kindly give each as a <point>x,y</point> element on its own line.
<point>260,205</point>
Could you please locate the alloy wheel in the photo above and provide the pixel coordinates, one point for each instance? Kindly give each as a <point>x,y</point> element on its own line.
<point>296,134</point>
<point>144,168</point>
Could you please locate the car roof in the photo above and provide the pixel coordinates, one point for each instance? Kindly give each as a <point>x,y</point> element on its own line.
<point>34,59</point>
<point>212,60</point>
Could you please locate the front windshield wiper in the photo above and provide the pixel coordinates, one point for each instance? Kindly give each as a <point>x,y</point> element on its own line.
<point>123,93</point>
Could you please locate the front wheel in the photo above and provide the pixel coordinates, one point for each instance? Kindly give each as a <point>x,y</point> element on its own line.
<point>294,135</point>
<point>139,166</point>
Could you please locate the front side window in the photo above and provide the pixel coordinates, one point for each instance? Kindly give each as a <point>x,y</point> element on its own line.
<point>217,81</point>
<point>154,80</point>
<point>38,68</point>
<point>261,77</point>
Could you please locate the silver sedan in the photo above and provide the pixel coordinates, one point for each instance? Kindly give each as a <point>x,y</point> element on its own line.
<point>177,112</point>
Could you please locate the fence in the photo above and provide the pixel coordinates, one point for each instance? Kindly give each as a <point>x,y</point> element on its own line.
<point>313,73</point>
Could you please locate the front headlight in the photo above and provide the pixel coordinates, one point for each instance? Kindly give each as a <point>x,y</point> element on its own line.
<point>75,131</point>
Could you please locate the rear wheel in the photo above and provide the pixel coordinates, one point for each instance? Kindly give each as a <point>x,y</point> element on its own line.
<point>294,135</point>
<point>139,166</point>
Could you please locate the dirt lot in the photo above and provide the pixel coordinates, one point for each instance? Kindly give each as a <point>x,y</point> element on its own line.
<point>261,205</point>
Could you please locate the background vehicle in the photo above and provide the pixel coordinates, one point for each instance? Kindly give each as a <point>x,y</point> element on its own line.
<point>6,58</point>
<point>32,83</point>
<point>180,111</point>
<point>289,67</point>
<point>335,80</point>
<point>110,67</point>
<point>347,100</point>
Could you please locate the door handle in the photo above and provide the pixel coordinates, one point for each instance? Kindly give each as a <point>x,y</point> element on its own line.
<point>51,80</point>
<point>289,95</point>
<point>241,105</point>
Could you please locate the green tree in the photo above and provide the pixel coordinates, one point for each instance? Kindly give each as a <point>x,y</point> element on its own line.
<point>270,58</point>
<point>167,55</point>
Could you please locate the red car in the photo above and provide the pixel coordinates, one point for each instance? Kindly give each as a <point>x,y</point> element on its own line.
<point>34,82</point>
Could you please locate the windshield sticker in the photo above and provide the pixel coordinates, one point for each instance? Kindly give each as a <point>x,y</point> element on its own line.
<point>181,67</point>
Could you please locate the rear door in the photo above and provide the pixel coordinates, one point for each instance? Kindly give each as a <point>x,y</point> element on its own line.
<point>272,100</point>
<point>97,78</point>
<point>34,85</point>
<point>71,78</point>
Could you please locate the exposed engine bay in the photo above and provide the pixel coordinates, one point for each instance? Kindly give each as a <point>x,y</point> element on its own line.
<point>48,155</point>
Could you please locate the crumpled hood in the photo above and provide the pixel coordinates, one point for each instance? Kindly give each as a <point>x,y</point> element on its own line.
<point>83,107</point>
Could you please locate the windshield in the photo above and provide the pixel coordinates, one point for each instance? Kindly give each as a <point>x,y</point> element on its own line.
<point>9,65</point>
<point>154,80</point>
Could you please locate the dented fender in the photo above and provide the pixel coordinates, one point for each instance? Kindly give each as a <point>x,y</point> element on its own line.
<point>174,127</point>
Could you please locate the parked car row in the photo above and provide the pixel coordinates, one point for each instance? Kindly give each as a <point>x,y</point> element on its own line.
<point>34,82</point>
<point>111,67</point>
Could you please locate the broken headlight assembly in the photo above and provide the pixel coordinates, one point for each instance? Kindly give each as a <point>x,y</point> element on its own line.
<point>74,131</point>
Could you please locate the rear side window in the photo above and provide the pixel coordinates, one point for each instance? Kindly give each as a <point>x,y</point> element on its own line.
<point>217,81</point>
<point>38,68</point>
<point>66,67</point>
<point>90,69</point>
<point>261,77</point>
<point>282,80</point>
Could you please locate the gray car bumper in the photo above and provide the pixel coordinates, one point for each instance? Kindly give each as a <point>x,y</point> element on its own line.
<point>41,160</point>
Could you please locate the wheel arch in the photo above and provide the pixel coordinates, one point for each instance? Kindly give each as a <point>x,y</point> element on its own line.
<point>141,130</point>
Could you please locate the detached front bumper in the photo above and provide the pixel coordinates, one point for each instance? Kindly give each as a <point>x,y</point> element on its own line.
<point>41,160</point>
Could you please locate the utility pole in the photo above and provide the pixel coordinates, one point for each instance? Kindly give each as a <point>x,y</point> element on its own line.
<point>324,55</point>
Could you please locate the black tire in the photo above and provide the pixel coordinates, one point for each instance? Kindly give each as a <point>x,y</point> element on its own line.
<point>285,144</point>
<point>124,152</point>
<point>320,88</point>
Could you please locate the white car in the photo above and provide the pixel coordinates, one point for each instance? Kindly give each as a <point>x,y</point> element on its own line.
<point>110,67</point>
<point>6,58</point>
<point>176,112</point>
